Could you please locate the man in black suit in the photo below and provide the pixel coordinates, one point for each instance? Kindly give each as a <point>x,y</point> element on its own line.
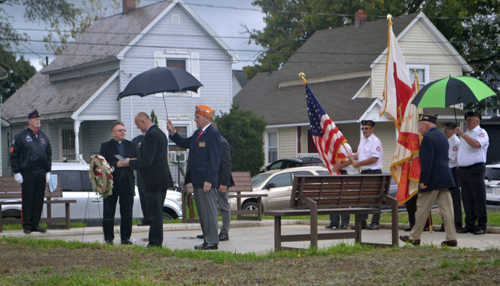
<point>152,164</point>
<point>435,181</point>
<point>123,184</point>
<point>142,194</point>
<point>202,171</point>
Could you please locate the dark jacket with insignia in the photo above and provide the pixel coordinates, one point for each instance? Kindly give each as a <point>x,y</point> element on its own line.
<point>29,153</point>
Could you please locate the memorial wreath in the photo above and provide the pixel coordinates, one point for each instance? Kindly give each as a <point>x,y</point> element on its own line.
<point>100,174</point>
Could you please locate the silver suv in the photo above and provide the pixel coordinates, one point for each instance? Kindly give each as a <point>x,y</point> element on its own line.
<point>77,186</point>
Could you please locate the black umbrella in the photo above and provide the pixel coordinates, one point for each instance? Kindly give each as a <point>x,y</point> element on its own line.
<point>160,79</point>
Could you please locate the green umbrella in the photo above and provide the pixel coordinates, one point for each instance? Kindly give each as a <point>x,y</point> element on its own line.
<point>450,91</point>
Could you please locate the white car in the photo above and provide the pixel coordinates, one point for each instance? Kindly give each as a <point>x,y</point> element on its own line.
<point>492,182</point>
<point>77,186</point>
<point>277,184</point>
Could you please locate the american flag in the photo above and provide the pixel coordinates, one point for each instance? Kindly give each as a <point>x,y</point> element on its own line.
<point>327,137</point>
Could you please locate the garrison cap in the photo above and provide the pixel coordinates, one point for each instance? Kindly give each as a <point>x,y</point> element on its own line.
<point>368,122</point>
<point>450,124</point>
<point>428,117</point>
<point>473,113</point>
<point>34,114</point>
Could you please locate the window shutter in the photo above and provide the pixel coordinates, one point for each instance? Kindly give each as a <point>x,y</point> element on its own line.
<point>159,60</point>
<point>195,71</point>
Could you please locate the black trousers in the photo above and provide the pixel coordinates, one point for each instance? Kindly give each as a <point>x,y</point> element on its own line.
<point>155,202</point>
<point>456,197</point>
<point>143,200</point>
<point>411,208</point>
<point>32,194</point>
<point>473,196</point>
<point>334,219</point>
<point>121,194</point>
<point>375,217</point>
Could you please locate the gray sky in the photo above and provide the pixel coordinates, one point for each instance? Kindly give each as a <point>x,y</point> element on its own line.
<point>224,21</point>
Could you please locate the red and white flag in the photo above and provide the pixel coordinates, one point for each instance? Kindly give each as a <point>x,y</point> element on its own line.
<point>327,137</point>
<point>397,91</point>
<point>405,166</point>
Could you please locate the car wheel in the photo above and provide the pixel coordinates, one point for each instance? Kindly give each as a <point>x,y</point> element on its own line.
<point>250,206</point>
<point>167,216</point>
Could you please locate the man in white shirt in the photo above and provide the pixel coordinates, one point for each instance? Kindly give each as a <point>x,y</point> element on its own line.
<point>471,158</point>
<point>456,196</point>
<point>369,161</point>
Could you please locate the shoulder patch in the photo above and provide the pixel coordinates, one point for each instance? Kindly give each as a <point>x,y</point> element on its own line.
<point>481,135</point>
<point>28,138</point>
<point>455,149</point>
<point>378,148</point>
<point>43,141</point>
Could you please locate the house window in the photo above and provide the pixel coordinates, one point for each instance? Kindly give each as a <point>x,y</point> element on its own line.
<point>422,73</point>
<point>311,147</point>
<point>183,132</point>
<point>183,59</point>
<point>68,144</point>
<point>176,63</point>
<point>272,147</point>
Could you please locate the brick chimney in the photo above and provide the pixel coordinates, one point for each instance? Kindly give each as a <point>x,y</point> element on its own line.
<point>359,18</point>
<point>128,5</point>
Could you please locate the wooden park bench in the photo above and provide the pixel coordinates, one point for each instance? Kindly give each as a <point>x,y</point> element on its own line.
<point>242,189</point>
<point>336,195</point>
<point>10,194</point>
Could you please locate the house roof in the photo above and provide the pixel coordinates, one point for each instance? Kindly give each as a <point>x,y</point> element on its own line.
<point>109,38</point>
<point>240,77</point>
<point>287,105</point>
<point>53,100</point>
<point>342,50</point>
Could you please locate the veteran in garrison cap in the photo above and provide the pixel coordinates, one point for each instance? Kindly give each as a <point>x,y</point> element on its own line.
<point>202,171</point>
<point>31,162</point>
<point>471,159</point>
<point>435,181</point>
<point>369,161</point>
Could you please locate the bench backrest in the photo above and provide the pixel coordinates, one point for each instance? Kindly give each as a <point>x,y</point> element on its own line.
<point>340,191</point>
<point>242,183</point>
<point>10,189</point>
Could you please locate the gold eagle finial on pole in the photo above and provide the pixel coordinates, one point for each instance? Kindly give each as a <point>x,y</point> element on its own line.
<point>303,77</point>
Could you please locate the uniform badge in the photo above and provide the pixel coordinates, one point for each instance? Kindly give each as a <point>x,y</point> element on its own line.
<point>43,141</point>
<point>28,138</point>
<point>481,134</point>
<point>201,144</point>
<point>455,149</point>
<point>378,148</point>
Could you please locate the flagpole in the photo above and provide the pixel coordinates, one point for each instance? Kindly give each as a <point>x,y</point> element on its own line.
<point>303,77</point>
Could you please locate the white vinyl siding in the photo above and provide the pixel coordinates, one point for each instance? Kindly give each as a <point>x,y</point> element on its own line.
<point>105,103</point>
<point>287,142</point>
<point>92,135</point>
<point>215,71</point>
<point>418,49</point>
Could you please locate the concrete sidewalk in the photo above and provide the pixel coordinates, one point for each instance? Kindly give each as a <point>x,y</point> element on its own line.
<point>254,236</point>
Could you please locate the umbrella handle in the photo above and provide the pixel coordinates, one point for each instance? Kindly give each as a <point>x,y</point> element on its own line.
<point>175,131</point>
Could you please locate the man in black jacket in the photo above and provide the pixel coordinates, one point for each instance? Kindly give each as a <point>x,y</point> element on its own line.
<point>155,177</point>
<point>123,184</point>
<point>142,194</point>
<point>31,162</point>
<point>435,181</point>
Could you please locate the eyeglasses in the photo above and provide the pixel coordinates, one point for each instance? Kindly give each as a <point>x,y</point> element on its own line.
<point>365,128</point>
<point>121,130</point>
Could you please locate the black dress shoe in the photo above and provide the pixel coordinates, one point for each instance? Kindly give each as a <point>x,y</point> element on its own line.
<point>440,229</point>
<point>224,237</point>
<point>127,242</point>
<point>27,230</point>
<point>209,246</point>
<point>426,228</point>
<point>200,236</point>
<point>343,227</point>
<point>479,231</point>
<point>332,225</point>
<point>373,227</point>
<point>465,230</point>
<point>200,246</point>
<point>407,239</point>
<point>408,228</point>
<point>362,227</point>
<point>451,243</point>
<point>38,228</point>
<point>143,224</point>
<point>109,242</point>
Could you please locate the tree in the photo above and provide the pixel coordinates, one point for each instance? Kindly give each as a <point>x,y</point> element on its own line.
<point>243,130</point>
<point>53,12</point>
<point>22,71</point>
<point>153,117</point>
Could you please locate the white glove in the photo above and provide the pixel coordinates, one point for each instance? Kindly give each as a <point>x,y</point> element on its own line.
<point>47,177</point>
<point>18,177</point>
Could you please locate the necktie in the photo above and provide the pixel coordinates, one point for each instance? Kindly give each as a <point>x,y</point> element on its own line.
<point>199,134</point>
